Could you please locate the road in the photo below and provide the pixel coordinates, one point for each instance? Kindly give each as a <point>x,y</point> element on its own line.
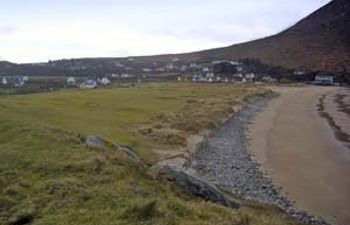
<point>301,139</point>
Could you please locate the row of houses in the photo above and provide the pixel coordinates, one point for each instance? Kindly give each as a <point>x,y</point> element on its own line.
<point>89,83</point>
<point>14,81</point>
<point>236,78</point>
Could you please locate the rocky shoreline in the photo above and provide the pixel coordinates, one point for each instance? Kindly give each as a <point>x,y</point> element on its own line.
<point>225,160</point>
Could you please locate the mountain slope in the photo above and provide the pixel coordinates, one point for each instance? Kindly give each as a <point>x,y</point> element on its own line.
<point>320,41</point>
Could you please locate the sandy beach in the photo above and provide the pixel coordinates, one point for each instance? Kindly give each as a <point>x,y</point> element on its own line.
<point>301,139</point>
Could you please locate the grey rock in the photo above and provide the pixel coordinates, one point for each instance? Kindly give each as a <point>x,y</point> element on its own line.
<point>194,185</point>
<point>128,151</point>
<point>96,142</point>
<point>100,143</point>
<point>225,159</point>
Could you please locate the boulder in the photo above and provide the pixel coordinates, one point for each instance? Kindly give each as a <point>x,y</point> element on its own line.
<point>100,143</point>
<point>96,142</point>
<point>128,151</point>
<point>193,185</point>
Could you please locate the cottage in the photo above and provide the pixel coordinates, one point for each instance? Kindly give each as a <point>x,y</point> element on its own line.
<point>194,78</point>
<point>25,79</point>
<point>268,79</point>
<point>160,69</point>
<point>210,77</point>
<point>249,77</point>
<point>89,84</point>
<point>324,80</point>
<point>205,69</point>
<point>125,75</point>
<point>299,72</point>
<point>170,66</point>
<point>183,68</point>
<point>71,81</point>
<point>4,81</point>
<point>104,81</point>
<point>13,81</point>
<point>146,70</point>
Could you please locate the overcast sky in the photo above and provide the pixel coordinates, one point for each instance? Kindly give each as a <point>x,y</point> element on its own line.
<point>39,30</point>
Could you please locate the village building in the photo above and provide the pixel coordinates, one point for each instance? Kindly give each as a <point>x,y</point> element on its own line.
<point>170,66</point>
<point>25,79</point>
<point>268,79</point>
<point>183,68</point>
<point>89,84</point>
<point>104,81</point>
<point>205,69</point>
<point>16,81</point>
<point>210,77</point>
<point>299,72</point>
<point>146,70</point>
<point>125,75</point>
<point>71,81</point>
<point>160,69</point>
<point>249,77</point>
<point>324,80</point>
<point>4,81</point>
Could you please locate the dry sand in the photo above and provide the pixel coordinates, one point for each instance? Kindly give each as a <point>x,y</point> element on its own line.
<point>301,151</point>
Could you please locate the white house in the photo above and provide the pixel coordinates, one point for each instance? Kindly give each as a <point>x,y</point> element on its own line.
<point>205,69</point>
<point>125,75</point>
<point>71,81</point>
<point>324,79</point>
<point>89,84</point>
<point>193,65</point>
<point>249,77</point>
<point>183,68</point>
<point>146,70</point>
<point>194,78</point>
<point>25,79</point>
<point>4,81</point>
<point>170,66</point>
<point>160,69</point>
<point>13,81</point>
<point>105,81</point>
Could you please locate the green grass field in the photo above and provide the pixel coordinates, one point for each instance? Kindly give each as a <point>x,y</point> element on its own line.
<point>48,176</point>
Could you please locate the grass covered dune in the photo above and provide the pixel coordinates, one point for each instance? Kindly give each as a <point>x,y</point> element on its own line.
<point>48,175</point>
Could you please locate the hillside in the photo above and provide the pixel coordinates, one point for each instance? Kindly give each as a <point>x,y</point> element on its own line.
<point>320,41</point>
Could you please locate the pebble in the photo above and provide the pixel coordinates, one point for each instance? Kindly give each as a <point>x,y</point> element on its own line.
<point>224,160</point>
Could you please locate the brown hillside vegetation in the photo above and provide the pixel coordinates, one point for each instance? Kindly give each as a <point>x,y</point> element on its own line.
<point>320,41</point>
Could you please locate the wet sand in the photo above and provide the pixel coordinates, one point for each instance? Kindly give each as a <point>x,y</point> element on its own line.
<point>302,150</point>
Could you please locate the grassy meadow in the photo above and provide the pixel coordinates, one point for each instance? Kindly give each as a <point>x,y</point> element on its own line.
<point>48,175</point>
